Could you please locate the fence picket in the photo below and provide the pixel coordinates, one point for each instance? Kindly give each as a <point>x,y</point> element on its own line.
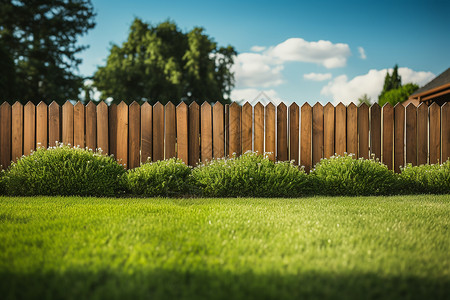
<point>375,130</point>
<point>5,135</point>
<point>399,136</point>
<point>122,134</point>
<point>388,135</point>
<point>54,124</point>
<point>78,125</point>
<point>194,132</point>
<point>282,141</point>
<point>29,128</point>
<point>328,130</point>
<point>306,136</point>
<point>16,131</point>
<point>182,132</point>
<point>341,129</point>
<point>317,133</point>
<point>102,127</point>
<point>147,132</point>
<point>91,126</point>
<point>411,134</point>
<point>158,132</point>
<point>41,125</point>
<point>363,131</point>
<point>435,134</point>
<point>246,127</point>
<point>235,129</point>
<point>270,131</point>
<point>352,129</point>
<point>259,128</point>
<point>422,134</point>
<point>445,111</point>
<point>294,132</point>
<point>134,134</point>
<point>170,133</point>
<point>67,123</point>
<point>206,142</point>
<point>218,131</point>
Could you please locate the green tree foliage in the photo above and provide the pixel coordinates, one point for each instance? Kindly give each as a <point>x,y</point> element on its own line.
<point>38,47</point>
<point>398,95</point>
<point>161,63</point>
<point>365,99</point>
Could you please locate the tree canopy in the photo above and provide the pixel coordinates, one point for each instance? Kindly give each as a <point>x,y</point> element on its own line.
<point>38,48</point>
<point>162,63</point>
<point>393,91</point>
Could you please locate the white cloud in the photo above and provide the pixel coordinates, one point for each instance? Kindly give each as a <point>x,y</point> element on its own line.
<point>317,76</point>
<point>258,48</point>
<point>253,95</point>
<point>362,53</point>
<point>257,70</point>
<point>341,89</point>
<point>321,52</point>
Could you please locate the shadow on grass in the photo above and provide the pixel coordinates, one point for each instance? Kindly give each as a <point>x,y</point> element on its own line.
<point>163,284</point>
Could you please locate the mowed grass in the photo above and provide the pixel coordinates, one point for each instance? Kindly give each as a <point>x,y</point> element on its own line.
<point>347,248</point>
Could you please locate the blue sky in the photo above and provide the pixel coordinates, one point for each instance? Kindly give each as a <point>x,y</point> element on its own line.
<point>298,50</point>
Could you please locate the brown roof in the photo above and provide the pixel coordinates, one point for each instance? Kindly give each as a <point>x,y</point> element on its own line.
<point>442,79</point>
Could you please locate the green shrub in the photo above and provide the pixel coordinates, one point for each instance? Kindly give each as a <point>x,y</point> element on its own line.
<point>434,179</point>
<point>2,182</point>
<point>162,178</point>
<point>344,175</point>
<point>65,171</point>
<point>250,175</point>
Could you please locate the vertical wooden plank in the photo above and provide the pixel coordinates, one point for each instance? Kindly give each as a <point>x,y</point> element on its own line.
<point>5,135</point>
<point>422,134</point>
<point>182,132</point>
<point>282,140</point>
<point>54,124</point>
<point>67,123</point>
<point>112,120</point>
<point>218,131</point>
<point>411,134</point>
<point>91,126</point>
<point>294,132</point>
<point>146,132</point>
<point>306,137</point>
<point>328,130</point>
<point>259,128</point>
<point>41,125</point>
<point>247,127</point>
<point>102,127</point>
<point>170,136</point>
<point>17,131</point>
<point>29,128</point>
<point>227,129</point>
<point>270,131</point>
<point>375,130</point>
<point>134,135</point>
<point>78,125</point>
<point>317,133</point>
<point>341,129</point>
<point>235,129</point>
<point>435,133</point>
<point>445,111</point>
<point>399,137</point>
<point>352,129</point>
<point>388,135</point>
<point>363,131</point>
<point>194,131</point>
<point>158,132</point>
<point>122,134</point>
<point>206,132</point>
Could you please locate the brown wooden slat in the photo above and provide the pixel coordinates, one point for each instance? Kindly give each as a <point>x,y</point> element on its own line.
<point>399,136</point>
<point>158,132</point>
<point>411,134</point>
<point>170,134</point>
<point>67,123</point>
<point>206,142</point>
<point>259,128</point>
<point>445,111</point>
<point>17,131</point>
<point>235,129</point>
<point>328,130</point>
<point>227,129</point>
<point>54,124</point>
<point>294,132</point>
<point>422,134</point>
<point>270,131</point>
<point>78,125</point>
<point>388,135</point>
<point>122,134</point>
<point>102,128</point>
<point>5,135</point>
<point>341,129</point>
<point>218,130</point>
<point>317,133</point>
<point>375,131</point>
<point>41,125</point>
<point>134,135</point>
<point>247,127</point>
<point>194,131</point>
<point>363,131</point>
<point>29,128</point>
<point>182,132</point>
<point>352,129</point>
<point>91,126</point>
<point>146,132</point>
<point>112,120</point>
<point>282,140</point>
<point>306,137</point>
<point>435,134</point>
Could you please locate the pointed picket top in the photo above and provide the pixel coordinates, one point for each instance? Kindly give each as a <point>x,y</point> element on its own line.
<point>445,106</point>
<point>91,104</point>
<point>41,103</point>
<point>66,104</point>
<point>53,104</point>
<point>411,106</point>
<point>246,104</point>
<point>270,105</point>
<point>29,103</point>
<point>318,105</point>
<point>218,104</point>
<point>387,106</point>
<point>133,104</point>
<point>364,105</point>
<point>293,105</point>
<point>282,105</point>
<point>306,105</point>
<point>194,105</point>
<point>145,104</point>
<point>181,105</point>
<point>122,104</point>
<point>234,104</point>
<point>78,104</point>
<point>259,105</point>
<point>434,105</point>
<point>352,105</point>
<point>102,104</point>
<point>17,103</point>
<point>398,108</point>
<point>329,105</point>
<point>4,104</point>
<point>375,106</point>
<point>205,104</point>
<point>422,106</point>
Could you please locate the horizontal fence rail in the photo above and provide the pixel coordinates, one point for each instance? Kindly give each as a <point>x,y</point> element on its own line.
<point>197,133</point>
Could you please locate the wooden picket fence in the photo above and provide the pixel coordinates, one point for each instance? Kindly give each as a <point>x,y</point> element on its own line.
<point>134,133</point>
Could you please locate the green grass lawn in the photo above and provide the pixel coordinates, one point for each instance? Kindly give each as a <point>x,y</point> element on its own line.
<point>348,248</point>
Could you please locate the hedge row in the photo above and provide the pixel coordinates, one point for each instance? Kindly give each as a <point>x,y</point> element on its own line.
<point>63,171</point>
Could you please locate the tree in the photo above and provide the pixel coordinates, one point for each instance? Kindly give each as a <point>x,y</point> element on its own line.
<point>365,99</point>
<point>391,82</point>
<point>39,37</point>
<point>398,95</point>
<point>161,63</point>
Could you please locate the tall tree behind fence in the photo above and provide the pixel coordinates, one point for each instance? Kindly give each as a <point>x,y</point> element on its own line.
<point>134,133</point>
